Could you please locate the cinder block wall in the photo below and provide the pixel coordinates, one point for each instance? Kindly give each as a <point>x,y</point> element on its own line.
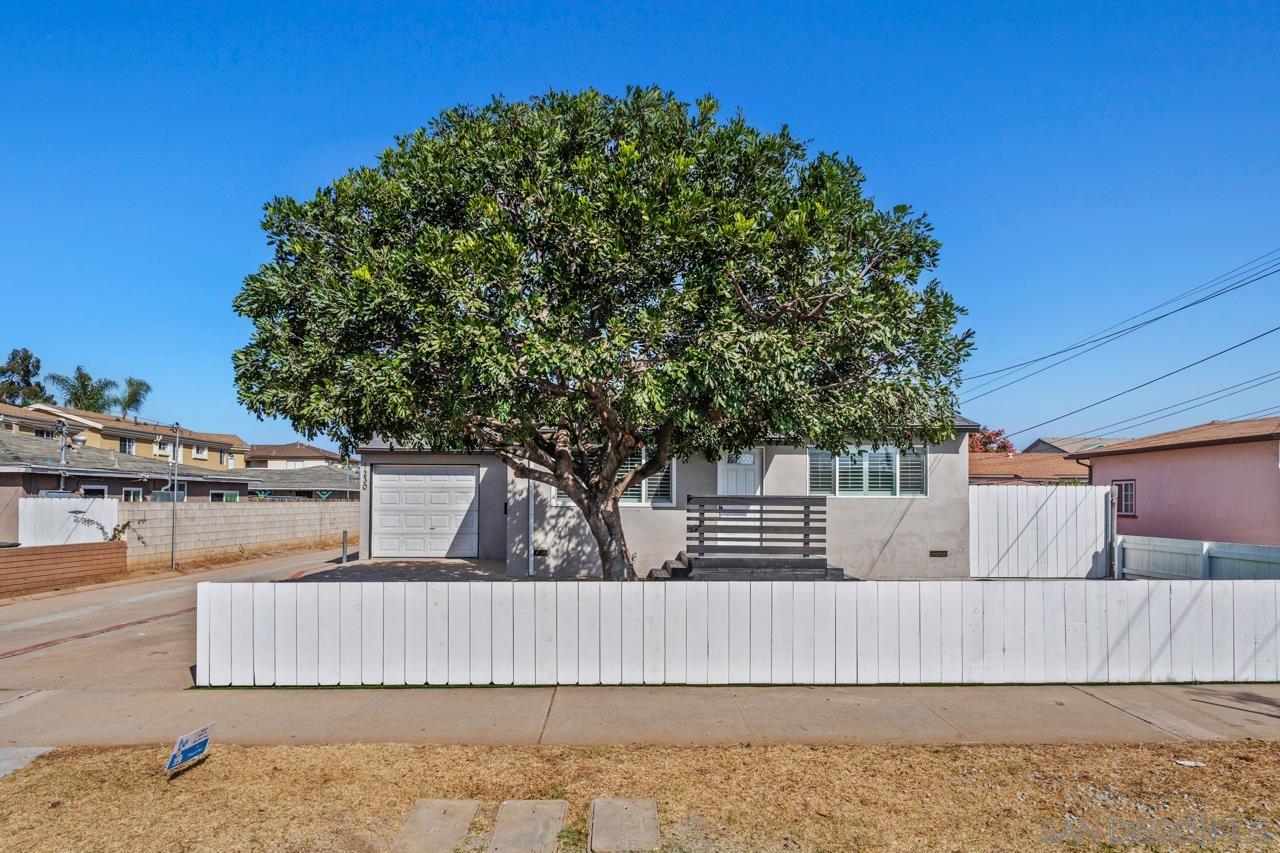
<point>218,531</point>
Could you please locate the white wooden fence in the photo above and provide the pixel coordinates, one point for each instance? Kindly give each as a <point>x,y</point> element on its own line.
<point>593,632</point>
<point>60,521</point>
<point>1154,557</point>
<point>1038,531</point>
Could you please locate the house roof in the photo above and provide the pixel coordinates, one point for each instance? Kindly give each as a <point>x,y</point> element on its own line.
<point>1071,445</point>
<point>316,478</point>
<point>1200,435</point>
<point>119,423</point>
<point>9,411</point>
<point>27,453</point>
<point>292,450</point>
<point>1026,466</point>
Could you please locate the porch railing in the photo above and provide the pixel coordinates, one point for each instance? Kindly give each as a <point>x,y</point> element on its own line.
<point>756,526</point>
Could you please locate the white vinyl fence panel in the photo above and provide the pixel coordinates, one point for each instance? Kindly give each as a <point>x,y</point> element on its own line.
<point>65,521</point>
<point>594,632</point>
<point>1038,531</point>
<point>1155,557</point>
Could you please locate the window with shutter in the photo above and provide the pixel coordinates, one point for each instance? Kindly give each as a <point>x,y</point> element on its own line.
<point>912,472</point>
<point>657,489</point>
<point>821,473</point>
<point>867,472</point>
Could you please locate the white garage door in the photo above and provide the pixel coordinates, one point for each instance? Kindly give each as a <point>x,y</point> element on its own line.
<point>425,511</point>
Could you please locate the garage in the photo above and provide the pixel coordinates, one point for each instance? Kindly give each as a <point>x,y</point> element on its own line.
<point>425,511</point>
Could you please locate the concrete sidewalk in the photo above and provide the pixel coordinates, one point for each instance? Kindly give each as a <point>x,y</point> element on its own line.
<point>112,665</point>
<point>645,715</point>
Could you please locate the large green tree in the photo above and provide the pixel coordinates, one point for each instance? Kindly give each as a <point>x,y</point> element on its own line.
<point>566,280</point>
<point>20,379</point>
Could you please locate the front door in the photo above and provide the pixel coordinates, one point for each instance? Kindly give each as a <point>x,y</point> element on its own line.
<point>742,473</point>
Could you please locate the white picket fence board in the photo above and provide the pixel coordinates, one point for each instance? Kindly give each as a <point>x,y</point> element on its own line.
<point>1037,531</point>
<point>1193,559</point>
<point>803,632</point>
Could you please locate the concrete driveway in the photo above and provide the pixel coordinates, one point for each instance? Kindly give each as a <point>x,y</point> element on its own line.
<point>112,665</point>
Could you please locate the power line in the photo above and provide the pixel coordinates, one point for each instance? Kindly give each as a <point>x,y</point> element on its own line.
<point>1266,272</point>
<point>1270,410</point>
<point>1090,338</point>
<point>1220,352</point>
<point>1250,384</point>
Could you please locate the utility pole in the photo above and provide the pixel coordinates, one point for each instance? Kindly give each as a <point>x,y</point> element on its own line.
<point>62,455</point>
<point>174,450</point>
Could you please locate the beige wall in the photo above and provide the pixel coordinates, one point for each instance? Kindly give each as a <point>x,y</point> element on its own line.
<point>869,537</point>
<point>144,447</point>
<point>220,531</point>
<point>283,464</point>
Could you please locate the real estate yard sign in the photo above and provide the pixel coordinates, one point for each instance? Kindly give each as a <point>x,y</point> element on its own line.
<point>190,748</point>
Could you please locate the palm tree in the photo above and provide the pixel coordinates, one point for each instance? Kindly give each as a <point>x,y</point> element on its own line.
<point>135,394</point>
<point>82,391</point>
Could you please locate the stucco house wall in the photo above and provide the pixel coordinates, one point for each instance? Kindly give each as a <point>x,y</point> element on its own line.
<point>869,537</point>
<point>1221,493</point>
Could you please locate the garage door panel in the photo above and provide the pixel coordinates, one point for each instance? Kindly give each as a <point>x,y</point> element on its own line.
<point>425,511</point>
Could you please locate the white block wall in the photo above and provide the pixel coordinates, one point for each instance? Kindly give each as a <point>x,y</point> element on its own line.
<point>593,632</point>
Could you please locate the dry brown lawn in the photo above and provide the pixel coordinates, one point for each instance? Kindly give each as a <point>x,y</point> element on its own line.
<point>354,797</point>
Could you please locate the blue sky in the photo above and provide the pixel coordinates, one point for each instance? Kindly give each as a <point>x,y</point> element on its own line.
<point>1080,162</point>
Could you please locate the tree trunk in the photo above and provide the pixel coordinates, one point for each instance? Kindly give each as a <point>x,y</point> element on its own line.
<point>605,522</point>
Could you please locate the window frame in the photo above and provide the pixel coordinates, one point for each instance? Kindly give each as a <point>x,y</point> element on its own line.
<point>127,445</point>
<point>222,496</point>
<point>200,451</point>
<point>126,491</point>
<point>863,449</point>
<point>561,499</point>
<point>96,486</point>
<point>44,432</point>
<point>1133,497</point>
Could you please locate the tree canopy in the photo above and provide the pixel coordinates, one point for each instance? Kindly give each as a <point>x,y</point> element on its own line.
<point>20,383</point>
<point>570,278</point>
<point>988,440</point>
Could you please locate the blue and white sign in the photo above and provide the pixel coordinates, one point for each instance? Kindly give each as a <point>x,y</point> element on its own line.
<point>189,748</point>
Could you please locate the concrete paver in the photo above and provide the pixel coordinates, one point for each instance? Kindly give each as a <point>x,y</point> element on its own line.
<point>14,758</point>
<point>528,826</point>
<point>624,825</point>
<point>435,826</point>
<point>841,715</point>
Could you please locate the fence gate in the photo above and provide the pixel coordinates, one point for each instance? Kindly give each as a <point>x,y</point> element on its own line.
<point>1039,531</point>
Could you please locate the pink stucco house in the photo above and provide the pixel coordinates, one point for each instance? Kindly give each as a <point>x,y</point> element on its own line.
<point>1218,481</point>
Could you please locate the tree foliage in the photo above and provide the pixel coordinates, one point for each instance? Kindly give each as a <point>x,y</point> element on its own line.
<point>81,391</point>
<point>564,280</point>
<point>20,383</point>
<point>987,440</point>
<point>133,396</point>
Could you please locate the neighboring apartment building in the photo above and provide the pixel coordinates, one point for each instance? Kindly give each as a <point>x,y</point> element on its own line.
<point>1218,481</point>
<point>890,514</point>
<point>292,455</point>
<point>31,465</point>
<point>135,437</point>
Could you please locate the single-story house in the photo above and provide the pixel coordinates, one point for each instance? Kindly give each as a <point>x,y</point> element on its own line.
<point>1041,468</point>
<point>1218,481</point>
<point>890,514</point>
<point>316,482</point>
<point>295,454</point>
<point>30,465</point>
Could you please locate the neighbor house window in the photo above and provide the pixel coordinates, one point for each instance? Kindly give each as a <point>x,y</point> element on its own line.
<point>46,433</point>
<point>131,494</point>
<point>295,463</point>
<point>231,461</point>
<point>126,446</point>
<point>870,472</point>
<point>93,491</point>
<point>164,494</point>
<point>200,451</point>
<point>162,447</point>
<point>224,497</point>
<point>1126,497</point>
<point>657,489</point>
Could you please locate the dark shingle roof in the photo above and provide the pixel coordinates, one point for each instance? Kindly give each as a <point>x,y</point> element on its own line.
<point>30,453</point>
<point>316,478</point>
